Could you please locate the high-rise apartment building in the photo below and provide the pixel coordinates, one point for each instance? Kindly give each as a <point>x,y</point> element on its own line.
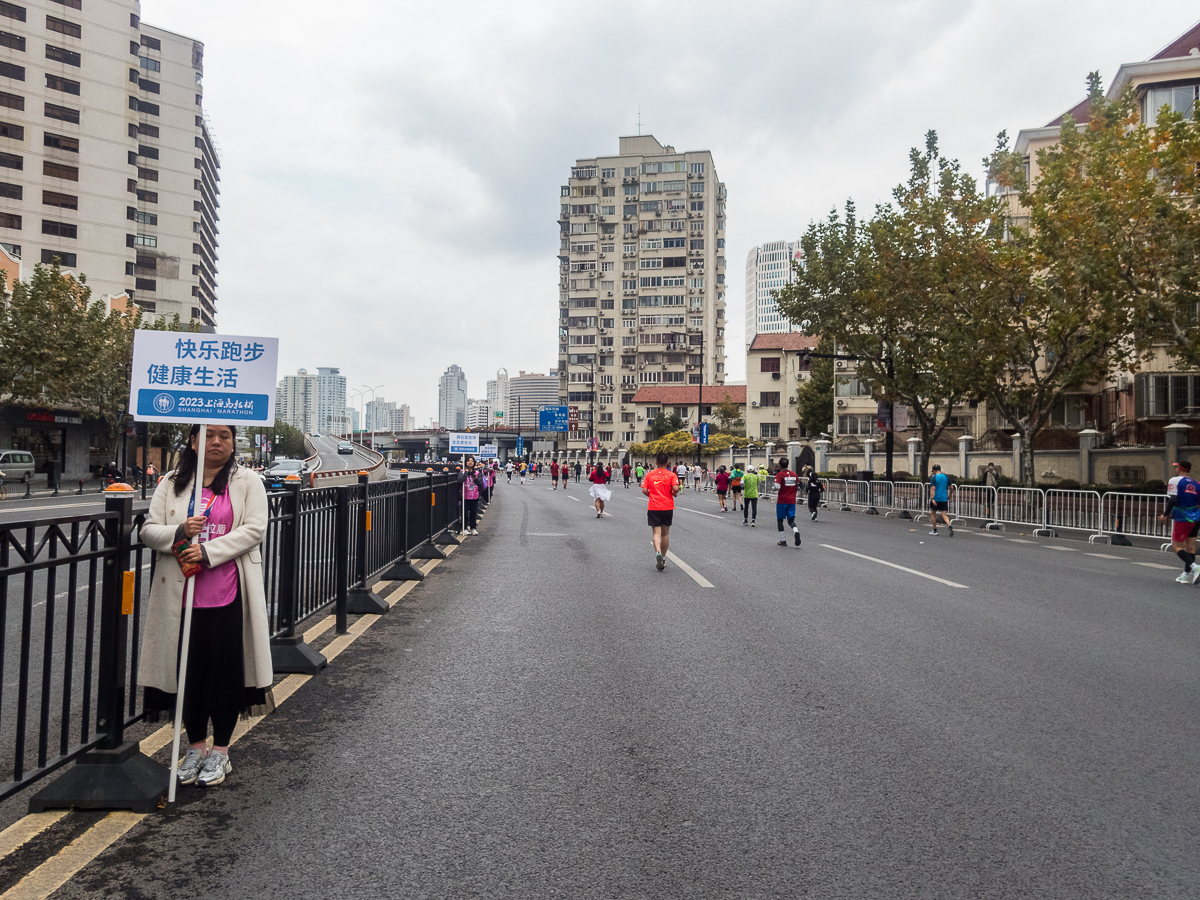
<point>529,392</point>
<point>497,397</point>
<point>452,399</point>
<point>641,278</point>
<point>106,161</point>
<point>768,268</point>
<point>379,414</point>
<point>296,401</point>
<point>331,399</point>
<point>402,418</point>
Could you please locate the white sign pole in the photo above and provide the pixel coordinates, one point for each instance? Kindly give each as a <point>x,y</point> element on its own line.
<point>190,590</point>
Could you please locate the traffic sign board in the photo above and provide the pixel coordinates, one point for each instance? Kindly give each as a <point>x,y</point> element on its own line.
<point>552,418</point>
<point>488,451</point>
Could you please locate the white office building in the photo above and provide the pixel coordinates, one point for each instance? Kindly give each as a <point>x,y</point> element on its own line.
<point>641,279</point>
<point>479,415</point>
<point>768,268</point>
<point>107,162</point>
<point>529,392</point>
<point>452,399</point>
<point>497,397</point>
<point>331,400</point>
<point>296,401</point>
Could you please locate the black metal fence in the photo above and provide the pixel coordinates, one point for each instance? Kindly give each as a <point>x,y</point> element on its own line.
<point>75,587</point>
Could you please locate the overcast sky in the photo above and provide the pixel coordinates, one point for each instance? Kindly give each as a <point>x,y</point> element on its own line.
<point>391,170</point>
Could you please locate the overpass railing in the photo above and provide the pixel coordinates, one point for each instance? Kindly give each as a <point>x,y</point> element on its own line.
<point>75,590</point>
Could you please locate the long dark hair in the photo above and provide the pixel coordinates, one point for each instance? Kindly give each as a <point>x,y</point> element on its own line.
<point>186,470</point>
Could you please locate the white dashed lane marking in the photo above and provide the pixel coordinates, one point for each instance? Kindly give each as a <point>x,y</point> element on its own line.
<point>884,562</point>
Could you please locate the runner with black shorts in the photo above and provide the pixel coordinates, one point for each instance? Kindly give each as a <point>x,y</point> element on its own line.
<point>661,485</point>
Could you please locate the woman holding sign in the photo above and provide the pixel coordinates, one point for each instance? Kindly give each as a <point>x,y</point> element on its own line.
<point>229,654</point>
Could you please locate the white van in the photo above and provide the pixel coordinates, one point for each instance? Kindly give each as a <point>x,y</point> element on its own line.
<point>17,465</point>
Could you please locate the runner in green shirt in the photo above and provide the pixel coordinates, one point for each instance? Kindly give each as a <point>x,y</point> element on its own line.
<point>640,472</point>
<point>749,497</point>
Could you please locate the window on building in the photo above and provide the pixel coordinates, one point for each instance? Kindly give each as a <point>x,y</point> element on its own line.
<point>11,101</point>
<point>11,161</point>
<point>769,364</point>
<point>60,229</point>
<point>148,130</point>
<point>151,43</point>
<point>61,142</point>
<point>11,131</point>
<point>63,201</point>
<point>74,4</point>
<point>12,41</point>
<point>696,187</point>
<point>63,55</point>
<point>8,70</point>
<point>143,240</point>
<point>768,398</point>
<point>150,65</point>
<point>145,174</point>
<point>147,196</point>
<point>11,191</point>
<point>1180,98</point>
<point>148,152</point>
<point>12,11</point>
<point>8,220</point>
<point>66,85</point>
<point>62,113</point>
<point>62,26</point>
<point>145,284</point>
<point>59,257</point>
<point>768,429</point>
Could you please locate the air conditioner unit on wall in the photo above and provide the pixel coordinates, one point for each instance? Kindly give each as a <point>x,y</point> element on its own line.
<point>841,403</point>
<point>841,364</point>
<point>754,404</point>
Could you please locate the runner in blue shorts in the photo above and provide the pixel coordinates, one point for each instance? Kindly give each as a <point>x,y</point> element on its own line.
<point>785,501</point>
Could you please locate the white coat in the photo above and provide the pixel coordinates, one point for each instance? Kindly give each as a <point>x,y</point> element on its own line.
<point>159,661</point>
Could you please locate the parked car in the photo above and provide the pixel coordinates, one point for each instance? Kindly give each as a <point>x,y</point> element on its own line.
<point>345,447</point>
<point>17,465</point>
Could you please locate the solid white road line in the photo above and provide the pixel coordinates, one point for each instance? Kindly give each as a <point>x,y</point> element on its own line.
<point>1063,549</point>
<point>1106,556</point>
<point>576,499</point>
<point>696,576</point>
<point>884,562</point>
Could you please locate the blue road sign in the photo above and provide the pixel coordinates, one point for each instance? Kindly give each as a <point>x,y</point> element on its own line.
<point>552,418</point>
<point>520,445</point>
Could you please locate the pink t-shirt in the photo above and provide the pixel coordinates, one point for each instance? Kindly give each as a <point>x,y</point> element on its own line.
<point>218,586</point>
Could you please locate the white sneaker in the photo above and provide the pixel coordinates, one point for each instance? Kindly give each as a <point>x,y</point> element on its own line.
<point>216,767</point>
<point>1195,573</point>
<point>193,762</point>
<point>1184,578</point>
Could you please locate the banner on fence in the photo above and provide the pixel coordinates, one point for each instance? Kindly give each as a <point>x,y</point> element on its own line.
<point>463,442</point>
<point>192,378</point>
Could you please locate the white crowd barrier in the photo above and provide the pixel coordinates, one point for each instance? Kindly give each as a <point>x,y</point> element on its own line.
<point>1040,511</point>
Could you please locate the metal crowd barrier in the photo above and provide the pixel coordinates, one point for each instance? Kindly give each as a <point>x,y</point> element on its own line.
<point>1075,509</point>
<point>972,501</point>
<point>75,588</point>
<point>1135,514</point>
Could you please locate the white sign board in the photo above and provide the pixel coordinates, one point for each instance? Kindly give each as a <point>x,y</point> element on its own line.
<point>195,378</point>
<point>464,442</point>
<point>489,451</point>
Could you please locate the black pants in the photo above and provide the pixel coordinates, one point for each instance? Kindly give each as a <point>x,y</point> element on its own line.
<point>472,511</point>
<point>750,503</point>
<point>814,498</point>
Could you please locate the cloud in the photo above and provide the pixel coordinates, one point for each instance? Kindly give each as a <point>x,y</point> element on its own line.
<point>390,173</point>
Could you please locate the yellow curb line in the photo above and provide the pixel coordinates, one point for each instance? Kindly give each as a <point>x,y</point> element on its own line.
<point>60,868</point>
<point>21,832</point>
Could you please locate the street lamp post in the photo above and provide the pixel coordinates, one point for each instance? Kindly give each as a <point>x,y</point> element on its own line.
<point>372,390</point>
<point>361,423</point>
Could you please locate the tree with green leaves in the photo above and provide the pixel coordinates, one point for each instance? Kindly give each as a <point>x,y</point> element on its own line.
<point>902,291</point>
<point>289,441</point>
<point>814,397</point>
<point>1107,266</point>
<point>664,424</point>
<point>729,416</point>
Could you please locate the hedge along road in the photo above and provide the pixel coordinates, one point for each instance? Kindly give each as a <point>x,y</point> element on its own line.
<point>548,714</point>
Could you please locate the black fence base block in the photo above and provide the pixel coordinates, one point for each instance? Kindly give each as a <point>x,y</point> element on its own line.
<point>903,514</point>
<point>365,603</point>
<point>426,551</point>
<point>292,656</point>
<point>870,511</point>
<point>1119,540</point>
<point>403,571</point>
<point>123,778</point>
<point>446,539</point>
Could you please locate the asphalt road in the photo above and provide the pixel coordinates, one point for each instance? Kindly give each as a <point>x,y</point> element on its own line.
<point>547,715</point>
<point>331,460</point>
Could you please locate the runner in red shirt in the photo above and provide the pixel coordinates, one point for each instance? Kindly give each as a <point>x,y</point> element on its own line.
<point>554,473</point>
<point>785,503</point>
<point>661,485</point>
<point>626,471</point>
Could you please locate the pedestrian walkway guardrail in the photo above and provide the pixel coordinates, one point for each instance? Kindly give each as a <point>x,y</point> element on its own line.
<point>1135,515</point>
<point>75,589</point>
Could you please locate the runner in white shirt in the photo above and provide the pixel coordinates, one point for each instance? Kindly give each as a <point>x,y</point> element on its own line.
<point>696,477</point>
<point>681,472</point>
